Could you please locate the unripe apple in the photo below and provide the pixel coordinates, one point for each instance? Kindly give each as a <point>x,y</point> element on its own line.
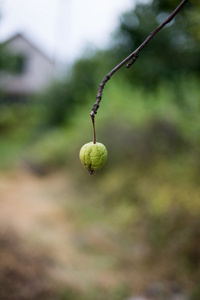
<point>93,156</point>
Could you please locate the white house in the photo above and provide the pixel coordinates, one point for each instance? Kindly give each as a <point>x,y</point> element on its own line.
<point>35,74</point>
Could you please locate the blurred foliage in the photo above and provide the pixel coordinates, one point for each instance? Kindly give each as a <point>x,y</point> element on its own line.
<point>173,51</point>
<point>63,98</point>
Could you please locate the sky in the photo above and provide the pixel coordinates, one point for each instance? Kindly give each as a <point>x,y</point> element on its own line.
<point>63,29</point>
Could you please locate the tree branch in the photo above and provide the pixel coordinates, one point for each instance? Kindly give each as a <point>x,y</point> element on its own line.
<point>131,58</point>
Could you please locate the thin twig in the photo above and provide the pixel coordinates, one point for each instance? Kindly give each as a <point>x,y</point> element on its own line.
<point>131,58</point>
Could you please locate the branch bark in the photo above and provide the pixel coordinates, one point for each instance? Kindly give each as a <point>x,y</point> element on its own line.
<point>131,60</point>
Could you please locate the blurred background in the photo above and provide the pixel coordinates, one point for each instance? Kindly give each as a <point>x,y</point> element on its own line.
<point>132,231</point>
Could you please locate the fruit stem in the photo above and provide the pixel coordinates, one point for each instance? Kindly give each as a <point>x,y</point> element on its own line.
<point>94,131</point>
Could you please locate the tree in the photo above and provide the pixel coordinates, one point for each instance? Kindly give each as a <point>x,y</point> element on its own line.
<point>174,51</point>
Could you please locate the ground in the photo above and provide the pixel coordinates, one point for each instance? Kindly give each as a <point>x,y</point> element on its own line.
<point>36,209</point>
<point>47,215</point>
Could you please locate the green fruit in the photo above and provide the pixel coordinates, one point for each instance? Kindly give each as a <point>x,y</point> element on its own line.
<point>93,156</point>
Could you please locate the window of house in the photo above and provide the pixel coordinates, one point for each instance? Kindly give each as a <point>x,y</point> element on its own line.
<point>19,64</point>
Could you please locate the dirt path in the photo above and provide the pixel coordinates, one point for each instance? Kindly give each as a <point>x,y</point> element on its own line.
<point>35,208</point>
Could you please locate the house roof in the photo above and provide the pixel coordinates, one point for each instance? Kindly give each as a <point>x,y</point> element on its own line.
<point>17,35</point>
